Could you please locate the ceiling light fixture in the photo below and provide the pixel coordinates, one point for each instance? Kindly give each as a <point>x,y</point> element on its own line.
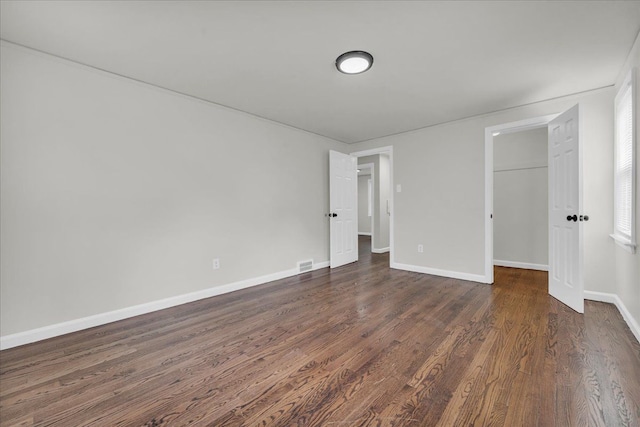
<point>354,62</point>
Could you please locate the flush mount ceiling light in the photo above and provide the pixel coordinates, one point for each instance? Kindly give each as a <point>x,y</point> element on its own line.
<point>354,62</point>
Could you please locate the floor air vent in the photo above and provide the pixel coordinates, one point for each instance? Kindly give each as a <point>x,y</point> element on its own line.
<point>304,266</point>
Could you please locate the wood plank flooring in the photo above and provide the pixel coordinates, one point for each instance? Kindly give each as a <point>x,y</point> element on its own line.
<point>361,345</point>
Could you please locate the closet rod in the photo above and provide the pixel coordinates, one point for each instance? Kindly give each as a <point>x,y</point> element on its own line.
<point>520,169</point>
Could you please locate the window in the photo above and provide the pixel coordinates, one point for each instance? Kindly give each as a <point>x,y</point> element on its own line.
<point>624,165</point>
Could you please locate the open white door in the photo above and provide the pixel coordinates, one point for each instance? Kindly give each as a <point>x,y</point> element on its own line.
<point>343,205</point>
<point>565,205</point>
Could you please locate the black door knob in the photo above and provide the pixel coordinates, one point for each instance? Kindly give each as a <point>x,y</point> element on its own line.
<point>334,214</point>
<point>584,217</point>
<point>572,218</point>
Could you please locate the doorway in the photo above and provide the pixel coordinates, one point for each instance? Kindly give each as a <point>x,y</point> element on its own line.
<point>565,253</point>
<point>520,199</point>
<point>490,134</point>
<point>366,210</point>
<point>380,207</point>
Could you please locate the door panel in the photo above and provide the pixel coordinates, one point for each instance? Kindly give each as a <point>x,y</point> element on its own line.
<point>565,205</point>
<point>343,208</point>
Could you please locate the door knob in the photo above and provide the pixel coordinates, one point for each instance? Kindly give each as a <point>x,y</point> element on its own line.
<point>572,218</point>
<point>333,214</point>
<point>584,217</point>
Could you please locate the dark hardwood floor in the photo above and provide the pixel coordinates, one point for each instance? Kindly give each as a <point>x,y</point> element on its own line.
<point>361,345</point>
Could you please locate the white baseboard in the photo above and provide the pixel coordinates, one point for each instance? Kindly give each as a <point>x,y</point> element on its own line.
<point>516,264</point>
<point>437,272</point>
<point>363,234</point>
<point>615,299</point>
<point>33,335</point>
<point>380,251</point>
<point>319,265</point>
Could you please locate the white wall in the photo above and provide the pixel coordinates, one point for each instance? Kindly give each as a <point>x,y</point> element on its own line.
<point>116,193</point>
<point>364,220</point>
<point>627,272</point>
<point>441,171</point>
<point>520,211</point>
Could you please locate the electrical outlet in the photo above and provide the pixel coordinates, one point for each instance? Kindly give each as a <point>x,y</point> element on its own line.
<point>420,248</point>
<point>216,263</point>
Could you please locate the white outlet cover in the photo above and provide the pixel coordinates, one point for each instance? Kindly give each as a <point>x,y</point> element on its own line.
<point>399,188</point>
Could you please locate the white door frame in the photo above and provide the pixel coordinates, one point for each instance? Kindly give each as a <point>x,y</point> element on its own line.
<point>489,132</point>
<point>388,150</point>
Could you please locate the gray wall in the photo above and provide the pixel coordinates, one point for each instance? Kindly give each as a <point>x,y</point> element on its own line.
<point>520,198</point>
<point>364,220</point>
<point>116,193</point>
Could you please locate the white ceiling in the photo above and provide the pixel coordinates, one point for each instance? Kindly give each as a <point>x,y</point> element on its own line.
<point>434,61</point>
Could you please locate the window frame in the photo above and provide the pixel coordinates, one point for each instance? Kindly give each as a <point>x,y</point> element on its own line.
<point>627,241</point>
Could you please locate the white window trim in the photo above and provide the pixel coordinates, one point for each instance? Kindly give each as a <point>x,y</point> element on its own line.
<point>624,243</point>
<point>629,243</point>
